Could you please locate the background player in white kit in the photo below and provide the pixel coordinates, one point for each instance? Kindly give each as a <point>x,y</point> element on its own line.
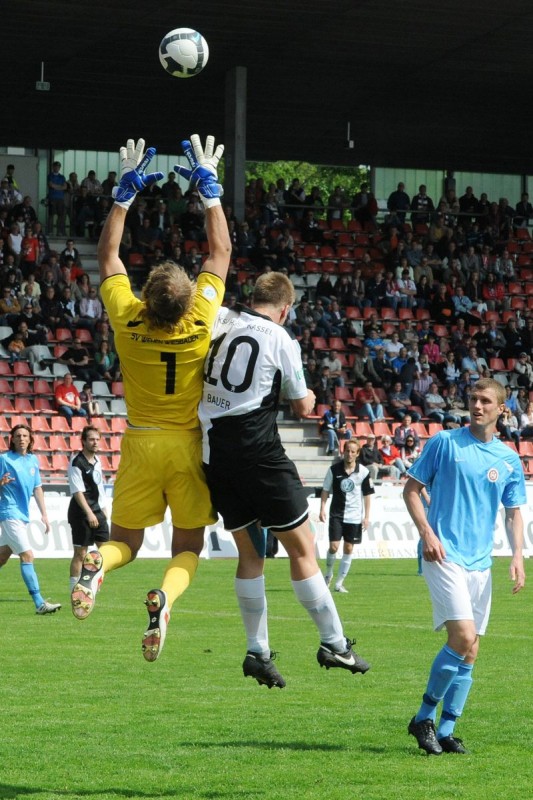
<point>351,488</point>
<point>251,362</point>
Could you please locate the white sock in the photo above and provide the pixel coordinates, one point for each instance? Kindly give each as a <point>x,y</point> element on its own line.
<point>253,606</point>
<point>316,598</point>
<point>73,582</point>
<point>346,563</point>
<point>330,563</point>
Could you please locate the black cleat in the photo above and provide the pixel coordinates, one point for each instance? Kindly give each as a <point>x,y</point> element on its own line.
<point>424,733</point>
<point>348,659</point>
<point>451,744</point>
<point>262,669</point>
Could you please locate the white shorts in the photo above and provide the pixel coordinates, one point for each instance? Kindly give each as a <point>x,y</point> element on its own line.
<point>457,593</point>
<point>14,534</point>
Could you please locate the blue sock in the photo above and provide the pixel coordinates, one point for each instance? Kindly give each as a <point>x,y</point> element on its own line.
<point>29,576</point>
<point>443,671</point>
<point>419,556</point>
<point>454,700</point>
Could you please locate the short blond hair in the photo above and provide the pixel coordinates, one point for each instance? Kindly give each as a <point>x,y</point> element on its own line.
<point>168,296</point>
<point>489,383</point>
<point>273,289</point>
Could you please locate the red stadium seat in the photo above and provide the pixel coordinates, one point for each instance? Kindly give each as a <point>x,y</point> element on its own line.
<point>59,424</point>
<point>118,424</point>
<point>59,462</point>
<point>21,368</point>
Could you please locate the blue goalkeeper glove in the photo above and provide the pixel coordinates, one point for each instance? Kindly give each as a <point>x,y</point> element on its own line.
<point>132,172</point>
<point>203,173</point>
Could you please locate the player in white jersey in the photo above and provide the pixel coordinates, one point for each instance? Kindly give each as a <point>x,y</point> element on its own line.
<point>251,362</point>
<point>351,488</point>
<point>469,473</point>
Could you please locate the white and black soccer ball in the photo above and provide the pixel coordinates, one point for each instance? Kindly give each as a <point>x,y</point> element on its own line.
<point>183,52</point>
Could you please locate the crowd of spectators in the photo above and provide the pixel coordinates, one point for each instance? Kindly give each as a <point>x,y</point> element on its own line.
<point>397,316</point>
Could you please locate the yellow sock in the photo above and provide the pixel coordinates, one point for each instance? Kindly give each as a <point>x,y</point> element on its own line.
<point>115,555</point>
<point>178,575</point>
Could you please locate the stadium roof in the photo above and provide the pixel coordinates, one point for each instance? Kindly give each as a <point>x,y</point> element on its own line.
<point>422,83</point>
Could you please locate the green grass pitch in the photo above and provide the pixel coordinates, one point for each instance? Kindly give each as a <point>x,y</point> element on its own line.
<point>84,717</point>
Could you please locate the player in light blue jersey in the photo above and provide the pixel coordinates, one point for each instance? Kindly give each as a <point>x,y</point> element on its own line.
<point>19,480</point>
<point>469,473</point>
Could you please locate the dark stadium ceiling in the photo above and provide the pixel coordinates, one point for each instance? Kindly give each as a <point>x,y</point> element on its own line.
<point>424,84</point>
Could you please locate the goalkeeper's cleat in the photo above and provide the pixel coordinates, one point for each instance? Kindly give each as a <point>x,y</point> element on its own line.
<point>83,595</point>
<point>158,617</point>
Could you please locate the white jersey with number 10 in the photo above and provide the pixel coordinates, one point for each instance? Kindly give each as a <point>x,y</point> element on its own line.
<point>250,363</point>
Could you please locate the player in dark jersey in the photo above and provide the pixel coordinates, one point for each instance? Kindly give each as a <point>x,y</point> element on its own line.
<point>86,511</point>
<point>351,488</point>
<point>251,362</point>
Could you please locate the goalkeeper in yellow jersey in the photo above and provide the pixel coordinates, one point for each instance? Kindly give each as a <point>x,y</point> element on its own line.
<point>162,341</point>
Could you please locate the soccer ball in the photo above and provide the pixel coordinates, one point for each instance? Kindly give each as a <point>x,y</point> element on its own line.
<point>183,52</point>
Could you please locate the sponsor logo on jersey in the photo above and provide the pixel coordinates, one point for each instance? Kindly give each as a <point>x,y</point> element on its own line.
<point>347,485</point>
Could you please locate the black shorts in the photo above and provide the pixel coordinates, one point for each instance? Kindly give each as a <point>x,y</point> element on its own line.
<point>270,493</point>
<point>351,532</point>
<point>82,533</point>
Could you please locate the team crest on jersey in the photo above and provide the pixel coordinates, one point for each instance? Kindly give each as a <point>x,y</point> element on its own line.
<point>347,485</point>
<point>493,475</point>
<point>209,292</point>
<point>32,471</point>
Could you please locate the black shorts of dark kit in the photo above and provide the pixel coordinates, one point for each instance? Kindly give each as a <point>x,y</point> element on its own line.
<point>349,531</point>
<point>271,494</point>
<point>82,533</point>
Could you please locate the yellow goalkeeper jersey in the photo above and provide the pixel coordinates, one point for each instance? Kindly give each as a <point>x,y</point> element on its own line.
<point>162,371</point>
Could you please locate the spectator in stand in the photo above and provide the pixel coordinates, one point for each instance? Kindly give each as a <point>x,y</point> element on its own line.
<point>361,207</point>
<point>399,404</point>
<point>456,407</point>
<point>29,252</point>
<point>468,206</point>
<point>422,207</point>
<point>435,404</point>
<point>76,357</point>
<point>371,458</point>
<point>399,362</point>
<point>367,403</point>
<point>335,427</point>
<point>523,369</point>
<point>393,345</point>
<point>9,307</point>
<point>424,293</point>
<point>449,371</point>
<point>67,399</point>
<point>337,202</point>
<point>432,350</point>
<point>404,430</point>
<point>474,363</point>
<point>90,310</point>
<point>325,291</point>
<point>391,455</point>
<point>407,290</point>
<point>71,252</point>
<point>363,368</point>
<point>383,369</point>
<point>507,426</point>
<point>107,363</point>
<point>422,380</point>
<point>526,422</point>
<point>442,309</point>
<point>409,452</point>
<point>104,333</point>
<point>374,342</point>
<point>109,184</point>
<point>496,338</point>
<point>335,368</point>
<point>57,188</point>
<point>399,202</point>
<point>504,267</point>
<point>527,334</point>
<point>513,340</point>
<point>323,388</point>
<point>470,261</point>
<point>344,291</point>
<point>464,308</point>
<point>523,212</point>
<point>52,312</point>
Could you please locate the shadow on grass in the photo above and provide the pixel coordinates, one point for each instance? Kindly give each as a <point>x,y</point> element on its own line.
<point>303,746</point>
<point>12,792</point>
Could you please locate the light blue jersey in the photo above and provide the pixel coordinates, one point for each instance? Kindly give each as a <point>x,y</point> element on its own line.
<point>468,480</point>
<point>15,496</point>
